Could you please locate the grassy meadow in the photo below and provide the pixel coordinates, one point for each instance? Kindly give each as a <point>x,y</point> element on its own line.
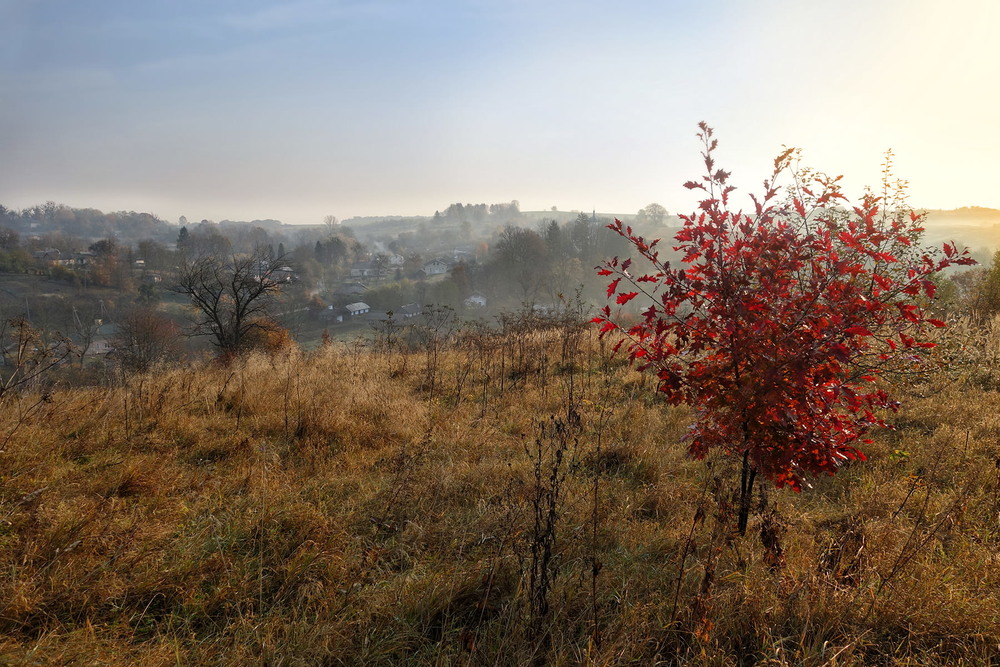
<point>487,500</point>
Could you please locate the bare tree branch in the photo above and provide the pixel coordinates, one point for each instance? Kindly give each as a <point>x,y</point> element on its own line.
<point>231,295</point>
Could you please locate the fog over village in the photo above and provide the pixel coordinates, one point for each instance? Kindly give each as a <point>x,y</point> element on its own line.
<point>477,332</point>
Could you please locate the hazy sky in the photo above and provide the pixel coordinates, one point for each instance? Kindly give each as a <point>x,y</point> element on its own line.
<point>292,110</point>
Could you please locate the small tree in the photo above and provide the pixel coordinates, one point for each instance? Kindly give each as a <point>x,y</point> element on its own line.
<point>85,323</point>
<point>778,323</point>
<point>183,237</point>
<point>9,239</point>
<point>987,292</point>
<point>270,338</point>
<point>26,355</point>
<point>231,295</point>
<point>144,338</point>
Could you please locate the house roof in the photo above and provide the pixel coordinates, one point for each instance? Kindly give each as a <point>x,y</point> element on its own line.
<point>351,288</point>
<point>410,309</point>
<point>355,307</point>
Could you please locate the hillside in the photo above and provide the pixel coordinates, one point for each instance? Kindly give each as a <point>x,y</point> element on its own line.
<point>503,499</point>
<point>975,227</point>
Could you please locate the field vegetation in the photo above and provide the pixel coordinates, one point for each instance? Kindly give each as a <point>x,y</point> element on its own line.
<point>482,496</point>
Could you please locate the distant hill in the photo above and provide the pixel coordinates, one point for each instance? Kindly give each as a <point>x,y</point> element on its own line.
<point>965,215</point>
<point>976,227</point>
<point>973,226</point>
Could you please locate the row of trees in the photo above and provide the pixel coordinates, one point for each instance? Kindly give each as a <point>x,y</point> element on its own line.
<point>51,217</point>
<point>479,213</point>
<point>530,265</point>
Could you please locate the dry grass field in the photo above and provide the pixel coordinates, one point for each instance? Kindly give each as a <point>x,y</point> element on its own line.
<point>495,501</point>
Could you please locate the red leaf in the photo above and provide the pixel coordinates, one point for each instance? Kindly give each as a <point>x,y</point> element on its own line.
<point>908,311</point>
<point>625,297</point>
<point>613,286</point>
<point>937,323</point>
<point>858,331</point>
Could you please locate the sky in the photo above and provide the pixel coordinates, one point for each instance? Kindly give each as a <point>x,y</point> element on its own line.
<point>294,110</point>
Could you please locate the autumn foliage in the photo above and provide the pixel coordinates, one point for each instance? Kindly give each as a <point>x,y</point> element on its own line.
<point>777,324</point>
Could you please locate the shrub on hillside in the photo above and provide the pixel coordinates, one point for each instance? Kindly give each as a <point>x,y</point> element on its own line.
<point>778,324</point>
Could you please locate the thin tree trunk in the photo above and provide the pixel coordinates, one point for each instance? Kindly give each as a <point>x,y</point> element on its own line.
<point>747,478</point>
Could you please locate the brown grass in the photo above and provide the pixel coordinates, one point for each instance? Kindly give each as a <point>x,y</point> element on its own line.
<point>337,508</point>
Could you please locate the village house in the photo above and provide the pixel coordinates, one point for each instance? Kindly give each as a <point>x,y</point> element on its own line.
<point>50,255</point>
<point>436,267</point>
<point>476,300</point>
<point>82,258</point>
<point>410,310</point>
<point>359,308</point>
<point>103,342</point>
<point>333,314</point>
<point>284,274</point>
<point>363,270</point>
<point>351,288</point>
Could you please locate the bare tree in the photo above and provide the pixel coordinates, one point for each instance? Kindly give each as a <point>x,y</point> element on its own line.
<point>231,295</point>
<point>26,354</point>
<point>85,327</point>
<point>144,337</point>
